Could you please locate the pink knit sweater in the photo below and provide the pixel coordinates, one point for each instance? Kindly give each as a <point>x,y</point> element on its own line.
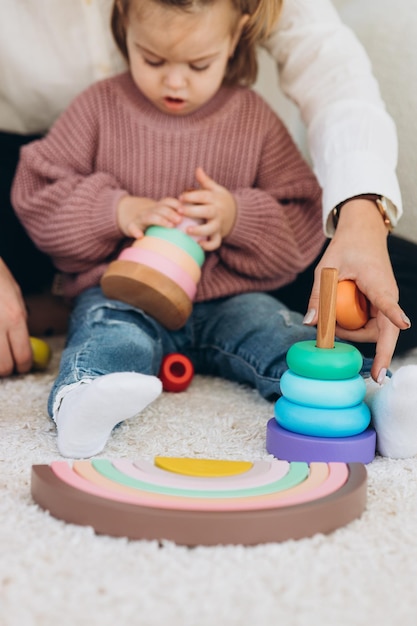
<point>112,141</point>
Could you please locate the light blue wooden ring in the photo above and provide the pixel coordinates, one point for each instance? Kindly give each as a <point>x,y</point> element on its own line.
<point>322,422</point>
<point>336,394</point>
<point>342,361</point>
<point>180,239</point>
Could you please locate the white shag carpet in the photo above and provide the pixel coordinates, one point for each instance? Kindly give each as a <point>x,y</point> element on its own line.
<point>56,573</point>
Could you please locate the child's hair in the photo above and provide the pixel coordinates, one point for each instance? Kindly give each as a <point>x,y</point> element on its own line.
<point>242,67</point>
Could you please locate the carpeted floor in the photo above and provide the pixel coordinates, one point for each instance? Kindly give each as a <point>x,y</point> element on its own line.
<point>55,573</point>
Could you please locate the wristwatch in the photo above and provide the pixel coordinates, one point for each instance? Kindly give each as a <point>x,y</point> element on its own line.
<point>384,206</point>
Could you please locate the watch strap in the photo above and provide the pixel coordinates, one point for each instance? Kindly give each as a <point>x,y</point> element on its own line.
<point>381,204</point>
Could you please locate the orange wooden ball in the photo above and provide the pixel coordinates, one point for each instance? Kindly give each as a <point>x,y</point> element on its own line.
<point>352,307</point>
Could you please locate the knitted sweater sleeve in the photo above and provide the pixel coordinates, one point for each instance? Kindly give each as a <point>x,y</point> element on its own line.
<point>277,231</point>
<point>68,209</point>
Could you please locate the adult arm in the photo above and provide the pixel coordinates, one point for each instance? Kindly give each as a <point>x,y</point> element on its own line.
<point>353,145</point>
<point>325,70</point>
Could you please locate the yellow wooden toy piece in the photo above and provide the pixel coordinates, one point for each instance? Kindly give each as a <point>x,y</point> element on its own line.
<point>207,468</point>
<point>41,353</point>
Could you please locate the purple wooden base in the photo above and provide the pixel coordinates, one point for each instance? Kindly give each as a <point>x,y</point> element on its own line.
<point>289,446</point>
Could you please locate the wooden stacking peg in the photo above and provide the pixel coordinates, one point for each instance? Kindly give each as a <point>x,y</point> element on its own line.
<point>327,308</point>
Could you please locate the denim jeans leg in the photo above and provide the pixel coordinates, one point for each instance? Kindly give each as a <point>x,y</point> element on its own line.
<point>245,338</point>
<point>107,336</point>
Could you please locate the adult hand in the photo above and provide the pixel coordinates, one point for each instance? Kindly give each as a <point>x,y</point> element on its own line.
<point>359,251</point>
<point>15,348</point>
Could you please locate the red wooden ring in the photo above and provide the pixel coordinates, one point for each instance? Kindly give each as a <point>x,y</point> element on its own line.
<point>176,372</point>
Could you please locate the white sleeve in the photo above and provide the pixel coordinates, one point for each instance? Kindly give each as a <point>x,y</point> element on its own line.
<point>49,53</point>
<point>325,70</point>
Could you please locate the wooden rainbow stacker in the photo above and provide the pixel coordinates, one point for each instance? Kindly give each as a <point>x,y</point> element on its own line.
<point>202,501</point>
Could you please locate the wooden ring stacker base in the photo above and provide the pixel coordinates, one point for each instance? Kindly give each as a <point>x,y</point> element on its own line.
<point>108,496</point>
<point>149,290</point>
<point>289,446</point>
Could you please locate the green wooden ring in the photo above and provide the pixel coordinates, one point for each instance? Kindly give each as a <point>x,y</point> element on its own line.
<point>180,239</point>
<point>337,363</point>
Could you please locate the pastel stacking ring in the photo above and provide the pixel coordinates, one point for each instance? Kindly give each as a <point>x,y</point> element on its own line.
<point>352,307</point>
<point>176,372</point>
<point>319,422</point>
<point>180,239</point>
<point>172,252</point>
<point>333,394</point>
<point>189,221</point>
<point>341,361</point>
<point>163,265</point>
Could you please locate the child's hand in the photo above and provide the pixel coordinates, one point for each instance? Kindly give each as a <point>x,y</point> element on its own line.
<point>213,204</point>
<point>134,214</point>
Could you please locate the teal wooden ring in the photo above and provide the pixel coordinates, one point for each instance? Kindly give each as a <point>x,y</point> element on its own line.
<point>341,361</point>
<point>332,394</point>
<point>180,239</point>
<point>316,422</point>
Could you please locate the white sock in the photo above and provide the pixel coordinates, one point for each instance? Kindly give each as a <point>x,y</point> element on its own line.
<point>89,412</point>
<point>394,413</point>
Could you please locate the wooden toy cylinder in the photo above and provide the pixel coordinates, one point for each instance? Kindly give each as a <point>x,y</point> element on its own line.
<point>327,308</point>
<point>158,274</point>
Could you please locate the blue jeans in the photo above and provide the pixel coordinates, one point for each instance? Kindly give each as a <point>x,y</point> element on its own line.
<point>242,338</point>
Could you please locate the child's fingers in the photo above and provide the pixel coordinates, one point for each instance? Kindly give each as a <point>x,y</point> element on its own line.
<point>195,197</point>
<point>205,181</point>
<point>133,230</point>
<point>170,203</point>
<point>211,243</point>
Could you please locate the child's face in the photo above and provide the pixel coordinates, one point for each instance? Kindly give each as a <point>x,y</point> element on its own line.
<point>178,59</point>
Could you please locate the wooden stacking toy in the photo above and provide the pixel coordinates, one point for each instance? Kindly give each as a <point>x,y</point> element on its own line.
<point>321,415</point>
<point>202,501</point>
<point>158,274</point>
